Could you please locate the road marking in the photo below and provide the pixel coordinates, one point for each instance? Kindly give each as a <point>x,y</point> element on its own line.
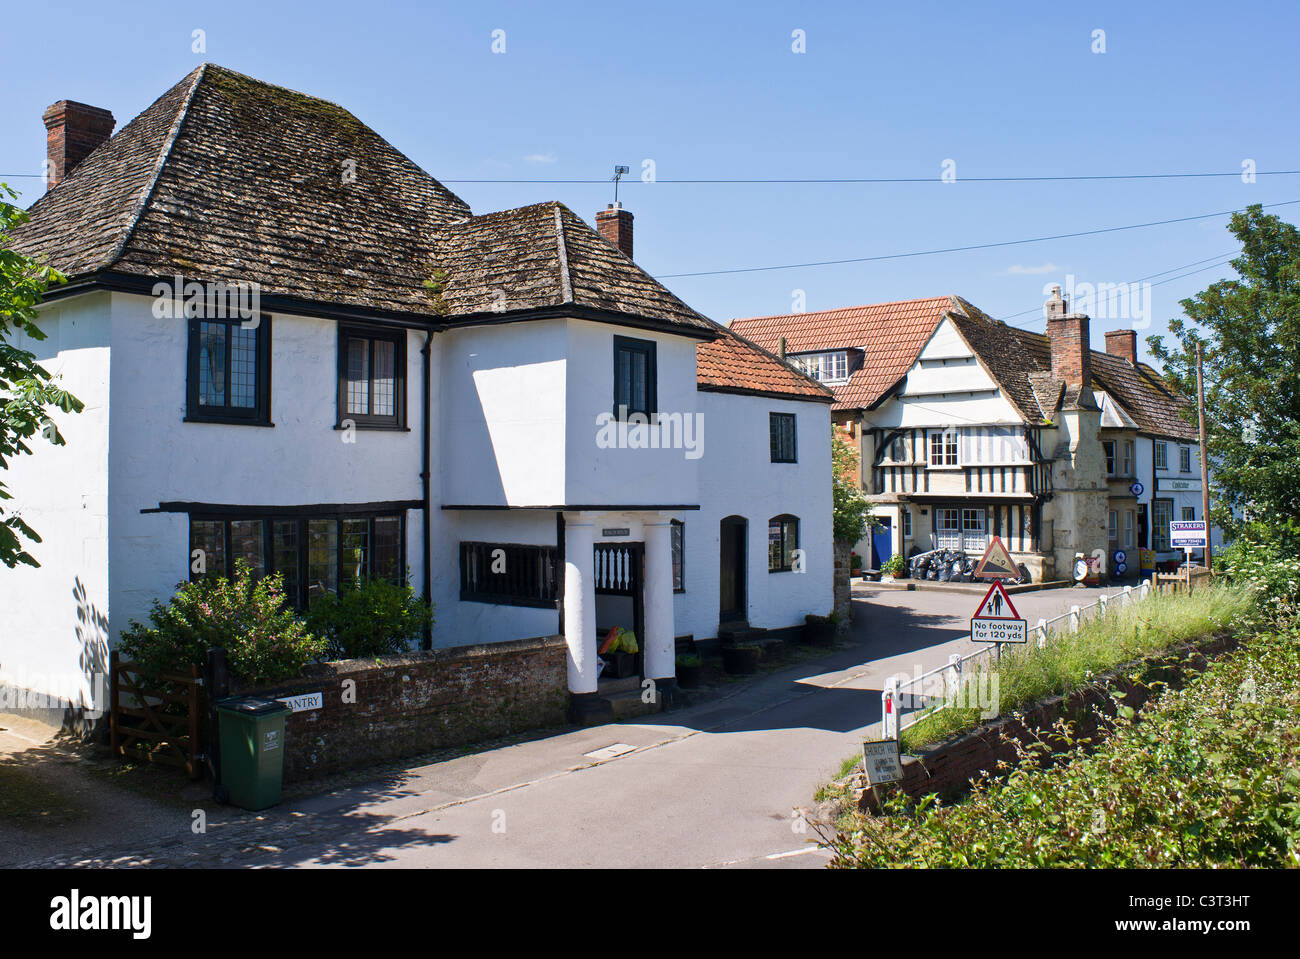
<point>796,852</point>
<point>610,752</point>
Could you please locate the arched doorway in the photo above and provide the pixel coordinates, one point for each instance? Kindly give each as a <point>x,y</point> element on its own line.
<point>732,587</point>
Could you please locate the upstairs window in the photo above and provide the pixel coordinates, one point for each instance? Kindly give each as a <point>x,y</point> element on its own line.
<point>1184,459</point>
<point>943,448</point>
<point>372,381</point>
<point>1162,456</point>
<point>825,367</point>
<point>1127,461</point>
<point>634,378</point>
<point>1109,447</point>
<point>229,371</point>
<point>781,427</point>
<point>782,541</point>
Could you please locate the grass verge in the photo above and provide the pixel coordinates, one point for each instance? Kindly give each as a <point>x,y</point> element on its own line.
<point>1209,778</point>
<point>1126,633</point>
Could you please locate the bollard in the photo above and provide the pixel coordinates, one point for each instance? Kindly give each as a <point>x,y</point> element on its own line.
<point>1042,633</point>
<point>889,709</point>
<point>1074,619</point>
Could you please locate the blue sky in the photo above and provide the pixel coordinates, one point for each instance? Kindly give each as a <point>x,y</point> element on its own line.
<point>714,90</point>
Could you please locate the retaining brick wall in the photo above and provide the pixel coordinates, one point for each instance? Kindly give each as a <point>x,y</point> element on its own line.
<point>414,703</point>
<point>949,767</point>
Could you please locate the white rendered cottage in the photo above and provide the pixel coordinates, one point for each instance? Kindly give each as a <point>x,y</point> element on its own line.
<point>298,349</point>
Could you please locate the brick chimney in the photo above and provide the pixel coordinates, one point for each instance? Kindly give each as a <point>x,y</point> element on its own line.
<point>72,130</point>
<point>615,225</point>
<point>1124,344</point>
<point>1068,334</point>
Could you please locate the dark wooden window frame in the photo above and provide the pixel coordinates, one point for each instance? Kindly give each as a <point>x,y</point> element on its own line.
<point>523,590</point>
<point>679,529</point>
<point>259,414</point>
<point>650,349</point>
<point>371,421</point>
<point>779,454</point>
<point>784,519</point>
<point>302,518</point>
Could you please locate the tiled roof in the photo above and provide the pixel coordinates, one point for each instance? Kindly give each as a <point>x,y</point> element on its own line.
<point>890,335</point>
<point>893,334</point>
<point>227,178</point>
<point>545,255</point>
<point>732,364</point>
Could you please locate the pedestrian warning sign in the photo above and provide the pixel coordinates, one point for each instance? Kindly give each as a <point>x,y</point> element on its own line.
<point>996,563</point>
<point>996,619</point>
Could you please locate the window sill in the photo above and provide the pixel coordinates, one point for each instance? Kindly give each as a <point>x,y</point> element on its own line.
<point>788,569</point>
<point>786,462</point>
<point>376,427</point>
<point>227,421</point>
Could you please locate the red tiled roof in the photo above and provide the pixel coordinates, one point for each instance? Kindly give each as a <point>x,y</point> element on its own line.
<point>732,364</point>
<point>890,336</point>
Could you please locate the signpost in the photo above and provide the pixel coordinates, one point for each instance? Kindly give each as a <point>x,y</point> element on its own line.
<point>1187,535</point>
<point>881,762</point>
<point>996,620</point>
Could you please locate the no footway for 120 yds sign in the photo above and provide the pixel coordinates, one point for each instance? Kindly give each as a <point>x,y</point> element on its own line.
<point>996,619</point>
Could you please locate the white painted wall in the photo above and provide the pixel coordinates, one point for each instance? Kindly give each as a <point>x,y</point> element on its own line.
<point>621,476</point>
<point>53,619</point>
<point>501,405</point>
<point>737,477</point>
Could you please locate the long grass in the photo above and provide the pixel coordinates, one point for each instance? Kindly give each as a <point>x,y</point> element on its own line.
<point>1069,660</point>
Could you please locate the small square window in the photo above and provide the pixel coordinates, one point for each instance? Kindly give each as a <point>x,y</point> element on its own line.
<point>229,371</point>
<point>782,541</point>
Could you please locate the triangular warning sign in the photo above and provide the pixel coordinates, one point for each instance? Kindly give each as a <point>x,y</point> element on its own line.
<point>996,604</point>
<point>996,563</point>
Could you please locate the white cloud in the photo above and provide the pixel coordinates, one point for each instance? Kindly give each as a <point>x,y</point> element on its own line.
<point>540,158</point>
<point>1023,270</point>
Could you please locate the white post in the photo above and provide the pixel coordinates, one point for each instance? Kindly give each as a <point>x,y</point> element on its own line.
<point>1074,619</point>
<point>1042,632</point>
<point>889,709</point>
<point>1146,589</point>
<point>953,672</point>
<point>580,605</point>
<point>659,640</point>
<point>1128,595</point>
<point>1101,604</point>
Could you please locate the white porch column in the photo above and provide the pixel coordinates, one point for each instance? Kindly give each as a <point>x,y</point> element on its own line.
<point>660,634</point>
<point>580,605</point>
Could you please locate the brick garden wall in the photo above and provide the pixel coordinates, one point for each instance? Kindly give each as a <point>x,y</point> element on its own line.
<point>948,768</point>
<point>414,703</point>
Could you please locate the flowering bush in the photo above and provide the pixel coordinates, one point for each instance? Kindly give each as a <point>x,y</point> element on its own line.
<point>264,640</point>
<point>1264,558</point>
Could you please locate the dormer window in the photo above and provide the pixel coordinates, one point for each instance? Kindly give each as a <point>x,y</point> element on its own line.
<point>825,367</point>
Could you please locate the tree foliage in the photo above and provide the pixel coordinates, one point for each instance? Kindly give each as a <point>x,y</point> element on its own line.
<point>27,391</point>
<point>1249,331</point>
<point>849,507</point>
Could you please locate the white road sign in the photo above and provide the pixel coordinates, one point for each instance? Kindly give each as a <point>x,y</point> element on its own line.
<point>1187,534</point>
<point>881,761</point>
<point>996,619</point>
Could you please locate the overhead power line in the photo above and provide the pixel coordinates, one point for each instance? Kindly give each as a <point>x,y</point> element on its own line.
<point>831,180</point>
<point>969,248</point>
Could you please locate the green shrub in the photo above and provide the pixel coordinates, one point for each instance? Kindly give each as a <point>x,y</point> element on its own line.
<point>1264,559</point>
<point>372,618</point>
<point>264,640</point>
<point>1208,778</point>
<point>893,566</point>
<point>687,660</point>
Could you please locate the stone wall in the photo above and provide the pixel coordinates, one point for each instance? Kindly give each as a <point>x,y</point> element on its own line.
<point>843,591</point>
<point>398,706</point>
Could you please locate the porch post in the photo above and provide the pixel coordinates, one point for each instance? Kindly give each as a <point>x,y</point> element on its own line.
<point>660,635</point>
<point>580,606</point>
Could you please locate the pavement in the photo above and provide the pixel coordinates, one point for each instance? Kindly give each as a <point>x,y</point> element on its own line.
<point>724,784</point>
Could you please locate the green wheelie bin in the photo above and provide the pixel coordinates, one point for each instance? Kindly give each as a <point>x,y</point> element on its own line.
<point>252,750</point>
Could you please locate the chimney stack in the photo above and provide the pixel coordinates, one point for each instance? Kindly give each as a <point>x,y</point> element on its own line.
<point>1069,337</point>
<point>615,225</point>
<point>1124,344</point>
<point>72,130</point>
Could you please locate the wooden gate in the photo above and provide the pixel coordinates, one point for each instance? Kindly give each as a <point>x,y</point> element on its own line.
<point>156,725</point>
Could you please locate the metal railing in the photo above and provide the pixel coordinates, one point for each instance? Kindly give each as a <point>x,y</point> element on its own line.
<point>943,687</point>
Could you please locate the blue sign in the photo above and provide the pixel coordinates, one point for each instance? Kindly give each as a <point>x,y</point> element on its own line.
<point>1120,557</point>
<point>1137,489</point>
<point>1121,568</point>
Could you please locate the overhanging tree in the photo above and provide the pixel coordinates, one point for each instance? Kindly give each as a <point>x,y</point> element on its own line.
<point>28,393</point>
<point>1249,331</point>
<point>848,506</point>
